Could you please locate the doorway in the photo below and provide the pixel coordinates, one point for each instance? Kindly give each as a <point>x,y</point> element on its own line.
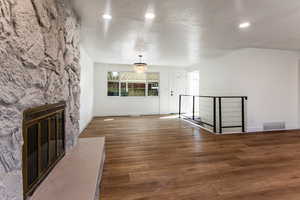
<point>178,86</point>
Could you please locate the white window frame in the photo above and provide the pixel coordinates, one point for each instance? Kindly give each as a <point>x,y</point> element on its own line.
<point>146,86</point>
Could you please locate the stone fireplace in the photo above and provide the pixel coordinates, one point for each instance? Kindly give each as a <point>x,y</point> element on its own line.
<point>39,64</point>
<point>44,143</point>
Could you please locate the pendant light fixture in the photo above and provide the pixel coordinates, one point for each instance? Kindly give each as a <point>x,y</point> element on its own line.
<point>140,67</point>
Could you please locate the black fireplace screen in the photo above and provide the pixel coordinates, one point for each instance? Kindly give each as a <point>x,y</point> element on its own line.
<point>44,143</point>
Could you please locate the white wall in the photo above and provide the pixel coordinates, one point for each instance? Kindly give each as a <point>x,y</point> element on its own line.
<point>268,77</point>
<point>87,89</point>
<point>116,106</point>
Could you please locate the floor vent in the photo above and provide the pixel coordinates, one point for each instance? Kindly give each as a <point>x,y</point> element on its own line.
<point>274,126</point>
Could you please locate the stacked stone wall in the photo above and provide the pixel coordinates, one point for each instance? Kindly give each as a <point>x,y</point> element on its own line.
<point>39,64</point>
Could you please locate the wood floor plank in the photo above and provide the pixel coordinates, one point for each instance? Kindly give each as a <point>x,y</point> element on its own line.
<point>161,158</point>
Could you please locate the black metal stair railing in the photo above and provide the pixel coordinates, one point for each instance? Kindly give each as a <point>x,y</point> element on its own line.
<point>217,113</point>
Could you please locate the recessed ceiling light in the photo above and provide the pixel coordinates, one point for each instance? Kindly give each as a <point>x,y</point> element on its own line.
<point>106,16</point>
<point>245,25</point>
<point>149,16</point>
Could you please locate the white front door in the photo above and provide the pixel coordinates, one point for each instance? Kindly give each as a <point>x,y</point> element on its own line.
<point>178,85</point>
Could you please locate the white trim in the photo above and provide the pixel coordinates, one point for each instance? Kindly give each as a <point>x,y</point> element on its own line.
<point>247,132</point>
<point>133,81</point>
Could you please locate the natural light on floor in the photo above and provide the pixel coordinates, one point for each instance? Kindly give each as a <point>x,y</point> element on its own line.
<point>170,117</point>
<point>107,120</point>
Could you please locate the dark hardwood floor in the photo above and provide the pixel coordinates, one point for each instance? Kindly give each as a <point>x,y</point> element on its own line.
<point>162,159</point>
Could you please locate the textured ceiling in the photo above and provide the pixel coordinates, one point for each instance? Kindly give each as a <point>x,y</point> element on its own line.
<point>184,31</point>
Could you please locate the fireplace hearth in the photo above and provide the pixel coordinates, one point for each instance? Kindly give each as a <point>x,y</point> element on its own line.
<point>44,143</point>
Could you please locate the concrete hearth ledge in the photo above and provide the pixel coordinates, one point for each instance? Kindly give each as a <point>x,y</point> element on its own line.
<point>76,176</point>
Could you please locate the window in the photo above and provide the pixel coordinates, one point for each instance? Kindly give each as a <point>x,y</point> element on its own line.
<point>133,89</point>
<point>126,84</point>
<point>153,84</point>
<point>153,89</point>
<point>193,78</point>
<point>113,84</point>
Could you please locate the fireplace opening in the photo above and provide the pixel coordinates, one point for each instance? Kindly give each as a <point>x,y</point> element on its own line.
<point>44,143</point>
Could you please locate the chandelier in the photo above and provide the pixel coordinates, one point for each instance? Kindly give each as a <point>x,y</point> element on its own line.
<point>140,67</point>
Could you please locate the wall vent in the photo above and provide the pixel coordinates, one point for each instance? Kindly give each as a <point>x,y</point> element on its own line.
<point>274,126</point>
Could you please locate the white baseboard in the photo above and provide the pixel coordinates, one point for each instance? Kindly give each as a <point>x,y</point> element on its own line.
<point>261,130</point>
<point>249,129</point>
